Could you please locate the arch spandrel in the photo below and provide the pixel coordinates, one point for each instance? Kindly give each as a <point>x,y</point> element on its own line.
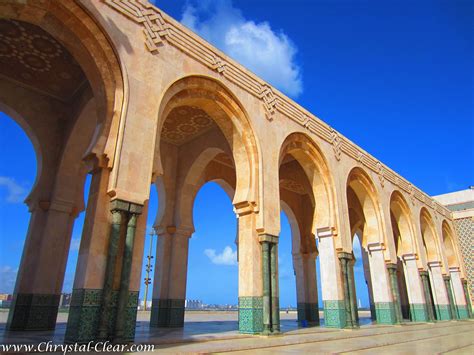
<point>211,96</point>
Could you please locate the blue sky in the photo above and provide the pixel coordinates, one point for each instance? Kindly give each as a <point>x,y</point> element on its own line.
<point>396,77</point>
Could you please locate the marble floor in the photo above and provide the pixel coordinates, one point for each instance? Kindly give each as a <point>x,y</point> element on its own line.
<point>215,332</point>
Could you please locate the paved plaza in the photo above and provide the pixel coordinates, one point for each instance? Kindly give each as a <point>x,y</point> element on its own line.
<point>215,332</point>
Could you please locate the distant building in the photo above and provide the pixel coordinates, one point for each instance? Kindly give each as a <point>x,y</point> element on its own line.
<point>461,203</point>
<point>193,304</point>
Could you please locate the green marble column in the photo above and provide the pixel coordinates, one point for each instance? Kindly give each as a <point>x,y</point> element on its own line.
<point>106,304</point>
<point>392,271</point>
<point>468,299</point>
<point>125,278</point>
<point>449,290</point>
<point>274,288</point>
<point>428,300</point>
<point>344,259</point>
<point>267,309</point>
<point>352,295</point>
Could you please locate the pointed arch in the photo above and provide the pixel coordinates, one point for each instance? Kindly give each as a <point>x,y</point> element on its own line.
<point>449,246</point>
<point>403,224</point>
<point>361,187</point>
<point>429,236</point>
<point>311,159</point>
<point>223,107</point>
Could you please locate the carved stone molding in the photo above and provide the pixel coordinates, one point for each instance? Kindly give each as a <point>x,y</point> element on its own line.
<point>159,28</point>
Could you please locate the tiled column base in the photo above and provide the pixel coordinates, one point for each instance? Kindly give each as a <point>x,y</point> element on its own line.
<point>463,312</point>
<point>335,314</point>
<point>418,312</point>
<point>308,312</point>
<point>442,312</point>
<point>167,313</point>
<point>250,315</point>
<point>33,312</point>
<point>385,313</point>
<point>84,315</point>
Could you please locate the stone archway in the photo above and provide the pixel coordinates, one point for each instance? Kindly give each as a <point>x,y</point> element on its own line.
<point>405,282</point>
<point>365,215</point>
<point>204,135</point>
<point>456,288</point>
<point>306,195</point>
<point>63,78</point>
<point>436,294</point>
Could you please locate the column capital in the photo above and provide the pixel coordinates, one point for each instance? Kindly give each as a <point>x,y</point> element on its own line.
<point>423,272</point>
<point>268,238</point>
<point>344,255</point>
<point>244,208</point>
<point>377,246</point>
<point>326,232</point>
<point>124,206</point>
<point>454,269</point>
<point>391,266</point>
<point>433,264</point>
<point>406,257</point>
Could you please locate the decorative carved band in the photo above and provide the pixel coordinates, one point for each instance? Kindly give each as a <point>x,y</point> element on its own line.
<point>159,28</point>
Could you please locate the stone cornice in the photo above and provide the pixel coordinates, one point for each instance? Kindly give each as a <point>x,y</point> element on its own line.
<point>159,28</point>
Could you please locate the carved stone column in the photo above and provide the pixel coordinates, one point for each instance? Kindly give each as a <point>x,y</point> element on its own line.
<point>168,310</point>
<point>332,280</point>
<point>349,297</point>
<point>458,295</point>
<point>392,272</point>
<point>415,289</point>
<point>307,291</point>
<point>439,291</point>
<point>271,308</point>
<point>114,321</point>
<point>466,296</point>
<point>161,281</point>
<point>452,305</point>
<point>382,293</point>
<point>250,272</point>
<point>41,273</point>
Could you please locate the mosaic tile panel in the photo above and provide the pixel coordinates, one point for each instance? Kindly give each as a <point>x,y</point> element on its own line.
<point>33,312</point>
<point>250,315</point>
<point>443,312</point>
<point>462,312</point>
<point>418,312</point>
<point>385,312</point>
<point>84,316</point>
<point>465,232</point>
<point>335,314</point>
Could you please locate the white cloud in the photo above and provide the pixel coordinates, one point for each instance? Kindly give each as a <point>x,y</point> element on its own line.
<point>227,257</point>
<point>268,53</point>
<point>15,192</point>
<point>7,279</point>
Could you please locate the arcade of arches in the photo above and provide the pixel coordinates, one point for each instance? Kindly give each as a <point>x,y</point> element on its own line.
<point>119,90</point>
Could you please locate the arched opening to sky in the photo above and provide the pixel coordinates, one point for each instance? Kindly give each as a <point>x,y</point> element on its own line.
<point>362,280</point>
<point>18,173</point>
<point>286,273</point>
<point>212,259</point>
